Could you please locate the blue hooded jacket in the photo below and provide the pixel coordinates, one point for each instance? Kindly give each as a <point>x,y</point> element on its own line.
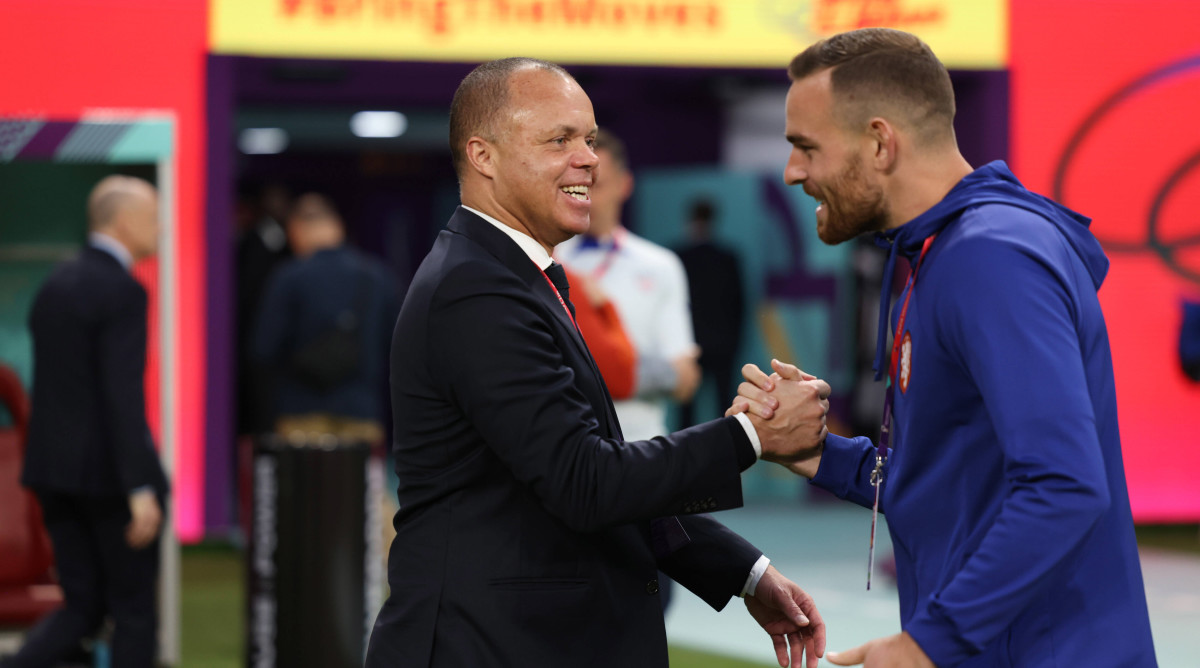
<point>1004,487</point>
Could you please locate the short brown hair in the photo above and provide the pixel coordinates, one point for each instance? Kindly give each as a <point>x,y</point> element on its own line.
<point>607,141</point>
<point>874,69</point>
<point>480,99</point>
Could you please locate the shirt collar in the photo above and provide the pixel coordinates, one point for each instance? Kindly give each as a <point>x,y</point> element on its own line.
<point>533,249</point>
<point>112,247</point>
<point>587,241</point>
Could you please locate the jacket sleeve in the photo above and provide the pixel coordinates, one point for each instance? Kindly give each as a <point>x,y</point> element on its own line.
<point>845,470</point>
<point>121,359</point>
<point>1009,316</point>
<point>715,563</point>
<point>503,366</point>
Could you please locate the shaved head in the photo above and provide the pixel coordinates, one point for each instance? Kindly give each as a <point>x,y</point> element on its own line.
<point>482,100</point>
<point>114,195</point>
<point>125,208</point>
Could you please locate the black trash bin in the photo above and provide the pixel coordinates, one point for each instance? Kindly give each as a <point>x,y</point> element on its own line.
<point>314,557</point>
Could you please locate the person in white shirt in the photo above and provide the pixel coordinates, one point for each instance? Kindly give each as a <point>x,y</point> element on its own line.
<point>648,286</point>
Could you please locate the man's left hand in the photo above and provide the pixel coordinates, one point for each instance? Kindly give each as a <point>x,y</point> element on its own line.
<point>789,615</point>
<point>898,651</point>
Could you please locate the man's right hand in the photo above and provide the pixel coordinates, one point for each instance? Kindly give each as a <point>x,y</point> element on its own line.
<point>788,410</point>
<point>145,519</point>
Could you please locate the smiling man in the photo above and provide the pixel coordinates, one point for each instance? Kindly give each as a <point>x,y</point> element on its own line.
<point>529,532</point>
<point>1003,483</point>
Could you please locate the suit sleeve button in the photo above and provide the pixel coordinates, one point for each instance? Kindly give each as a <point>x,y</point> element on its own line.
<point>652,587</point>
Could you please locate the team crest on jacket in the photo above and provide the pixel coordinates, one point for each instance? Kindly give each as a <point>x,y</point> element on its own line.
<point>905,361</point>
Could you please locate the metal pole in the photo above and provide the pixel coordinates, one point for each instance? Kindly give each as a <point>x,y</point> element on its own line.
<point>169,576</point>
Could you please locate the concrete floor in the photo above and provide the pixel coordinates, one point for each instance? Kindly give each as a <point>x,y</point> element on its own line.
<point>823,547</point>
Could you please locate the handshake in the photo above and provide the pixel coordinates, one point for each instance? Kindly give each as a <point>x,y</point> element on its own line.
<point>788,410</point>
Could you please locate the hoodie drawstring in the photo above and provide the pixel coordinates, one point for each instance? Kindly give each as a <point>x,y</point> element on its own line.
<point>885,303</point>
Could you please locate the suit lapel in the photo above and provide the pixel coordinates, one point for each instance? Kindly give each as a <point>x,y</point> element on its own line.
<point>512,256</point>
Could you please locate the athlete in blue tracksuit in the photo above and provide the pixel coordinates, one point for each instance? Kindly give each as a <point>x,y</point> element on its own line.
<point>1003,485</point>
<point>1004,490</point>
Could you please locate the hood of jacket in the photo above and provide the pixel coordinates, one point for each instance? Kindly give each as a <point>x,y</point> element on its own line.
<point>993,183</point>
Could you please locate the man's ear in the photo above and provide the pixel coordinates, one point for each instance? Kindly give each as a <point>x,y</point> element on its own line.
<point>883,137</point>
<point>481,156</point>
<point>627,186</point>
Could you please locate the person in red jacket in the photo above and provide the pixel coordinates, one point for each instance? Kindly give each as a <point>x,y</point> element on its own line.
<point>605,335</point>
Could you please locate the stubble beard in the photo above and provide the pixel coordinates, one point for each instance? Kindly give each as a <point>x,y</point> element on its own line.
<point>856,208</point>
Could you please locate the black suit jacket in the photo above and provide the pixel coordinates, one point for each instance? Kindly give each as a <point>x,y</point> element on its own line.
<point>87,431</point>
<point>527,531</point>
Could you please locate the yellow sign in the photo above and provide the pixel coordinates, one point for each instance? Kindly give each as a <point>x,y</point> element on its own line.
<point>968,34</point>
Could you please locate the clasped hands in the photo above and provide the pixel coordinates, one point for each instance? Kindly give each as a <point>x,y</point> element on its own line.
<point>787,409</point>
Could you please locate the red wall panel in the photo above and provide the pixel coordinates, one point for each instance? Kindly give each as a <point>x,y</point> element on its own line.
<point>63,58</point>
<point>1105,105</point>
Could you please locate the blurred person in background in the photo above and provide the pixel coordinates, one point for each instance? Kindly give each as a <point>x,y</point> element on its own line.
<point>529,532</point>
<point>647,284</point>
<point>323,328</point>
<point>90,457</point>
<point>714,277</point>
<point>1003,486</point>
<point>262,246</point>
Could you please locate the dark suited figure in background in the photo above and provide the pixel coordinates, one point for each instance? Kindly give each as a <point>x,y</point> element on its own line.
<point>327,286</point>
<point>529,532</point>
<point>90,457</point>
<point>262,246</point>
<point>715,289</point>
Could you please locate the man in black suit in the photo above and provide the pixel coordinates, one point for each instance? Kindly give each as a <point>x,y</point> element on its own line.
<point>529,532</point>
<point>90,458</point>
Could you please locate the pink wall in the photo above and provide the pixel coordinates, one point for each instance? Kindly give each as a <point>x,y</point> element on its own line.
<point>61,58</point>
<point>1068,57</point>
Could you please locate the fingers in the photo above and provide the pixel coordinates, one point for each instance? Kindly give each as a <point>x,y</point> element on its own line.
<point>796,640</point>
<point>757,377</point>
<point>810,647</point>
<point>756,401</point>
<point>850,657</point>
<point>790,371</point>
<point>823,389</point>
<point>781,650</point>
<point>816,626</point>
<point>140,533</point>
<point>145,516</point>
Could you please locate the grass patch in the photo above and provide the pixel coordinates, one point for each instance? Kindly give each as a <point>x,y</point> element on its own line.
<point>213,607</point>
<point>1176,537</point>
<point>690,658</point>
